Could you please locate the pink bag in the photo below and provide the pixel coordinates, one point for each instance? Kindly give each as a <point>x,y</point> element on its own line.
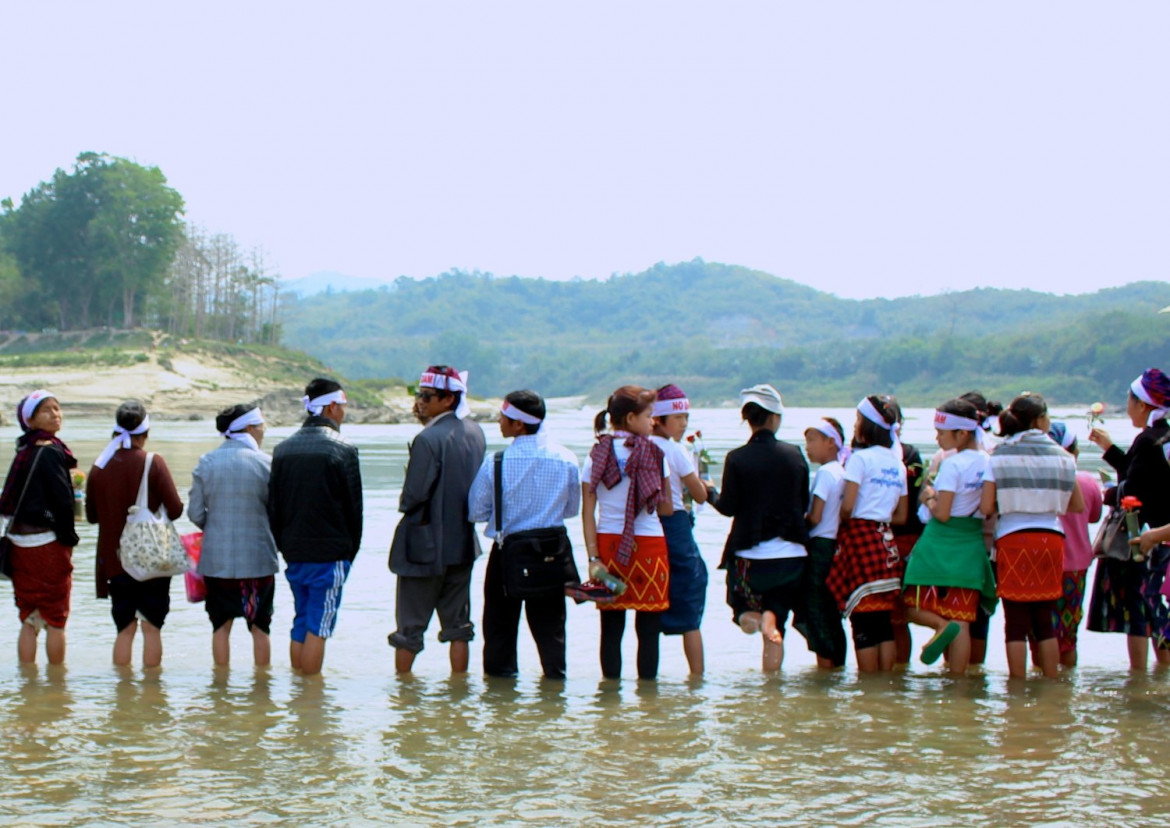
<point>196,588</point>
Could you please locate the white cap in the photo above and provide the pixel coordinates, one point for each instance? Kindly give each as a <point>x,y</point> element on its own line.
<point>763,395</point>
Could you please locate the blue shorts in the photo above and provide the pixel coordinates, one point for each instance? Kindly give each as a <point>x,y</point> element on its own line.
<point>316,589</point>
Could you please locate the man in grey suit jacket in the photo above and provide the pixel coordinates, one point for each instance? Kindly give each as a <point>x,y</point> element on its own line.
<point>435,544</point>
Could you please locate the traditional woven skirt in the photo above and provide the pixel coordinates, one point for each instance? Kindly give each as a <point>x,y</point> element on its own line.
<point>647,576</point>
<point>867,570</point>
<point>688,575</point>
<point>1068,613</point>
<point>42,578</point>
<point>819,620</point>
<point>1030,566</point>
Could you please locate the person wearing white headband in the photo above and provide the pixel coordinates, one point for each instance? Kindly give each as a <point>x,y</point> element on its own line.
<point>1125,597</point>
<point>540,488</point>
<point>688,572</point>
<point>111,490</point>
<point>866,576</point>
<point>238,561</point>
<point>949,575</point>
<point>37,502</point>
<point>824,443</point>
<point>435,544</point>
<point>315,515</point>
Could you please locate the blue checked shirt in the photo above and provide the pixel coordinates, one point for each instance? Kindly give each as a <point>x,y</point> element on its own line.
<point>542,487</point>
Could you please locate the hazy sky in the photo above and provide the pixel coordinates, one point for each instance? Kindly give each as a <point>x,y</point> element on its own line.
<point>863,148</point>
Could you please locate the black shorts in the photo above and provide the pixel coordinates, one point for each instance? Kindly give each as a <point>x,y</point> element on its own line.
<point>247,598</point>
<point>130,598</point>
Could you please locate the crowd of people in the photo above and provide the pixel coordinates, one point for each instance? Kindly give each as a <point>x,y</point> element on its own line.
<point>875,537</point>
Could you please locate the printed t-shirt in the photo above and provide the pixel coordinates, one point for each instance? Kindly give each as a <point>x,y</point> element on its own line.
<point>963,474</point>
<point>881,480</point>
<point>828,484</point>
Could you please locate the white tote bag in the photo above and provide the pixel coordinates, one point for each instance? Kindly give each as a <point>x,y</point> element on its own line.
<point>150,545</point>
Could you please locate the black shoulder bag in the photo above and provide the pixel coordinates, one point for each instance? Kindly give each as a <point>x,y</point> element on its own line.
<point>536,562</point>
<point>5,541</point>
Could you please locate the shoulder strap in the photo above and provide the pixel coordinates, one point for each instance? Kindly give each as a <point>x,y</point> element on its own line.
<point>141,502</point>
<point>24,491</point>
<point>499,488</point>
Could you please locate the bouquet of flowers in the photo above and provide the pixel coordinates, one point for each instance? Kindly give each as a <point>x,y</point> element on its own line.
<point>78,478</point>
<point>700,453</point>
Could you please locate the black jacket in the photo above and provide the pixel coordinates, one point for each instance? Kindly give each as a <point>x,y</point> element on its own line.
<point>1145,473</point>
<point>765,492</point>
<point>48,501</point>
<point>315,495</point>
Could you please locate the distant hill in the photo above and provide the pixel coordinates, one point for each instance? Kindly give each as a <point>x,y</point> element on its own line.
<point>327,281</point>
<point>715,328</point>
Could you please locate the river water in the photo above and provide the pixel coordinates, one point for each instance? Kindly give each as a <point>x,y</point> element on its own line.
<point>89,744</point>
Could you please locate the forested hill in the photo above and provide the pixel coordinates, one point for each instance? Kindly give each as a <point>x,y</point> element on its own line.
<point>715,328</point>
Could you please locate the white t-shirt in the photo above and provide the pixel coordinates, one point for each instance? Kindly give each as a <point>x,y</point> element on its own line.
<point>881,480</point>
<point>828,484</point>
<point>773,549</point>
<point>680,463</point>
<point>963,474</point>
<point>1009,522</point>
<point>611,503</point>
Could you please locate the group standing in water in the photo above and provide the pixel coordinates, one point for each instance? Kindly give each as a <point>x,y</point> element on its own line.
<point>873,537</point>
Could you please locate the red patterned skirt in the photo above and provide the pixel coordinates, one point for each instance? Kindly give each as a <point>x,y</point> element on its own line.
<point>647,576</point>
<point>952,603</point>
<point>867,569</point>
<point>1029,566</point>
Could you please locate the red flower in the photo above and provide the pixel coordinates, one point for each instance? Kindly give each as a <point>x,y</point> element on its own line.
<point>1130,503</point>
<point>699,434</point>
<point>691,439</point>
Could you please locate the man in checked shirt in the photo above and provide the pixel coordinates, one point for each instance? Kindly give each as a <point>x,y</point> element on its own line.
<point>541,488</point>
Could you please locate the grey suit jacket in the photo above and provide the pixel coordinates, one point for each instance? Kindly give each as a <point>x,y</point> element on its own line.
<point>435,531</point>
<point>229,499</point>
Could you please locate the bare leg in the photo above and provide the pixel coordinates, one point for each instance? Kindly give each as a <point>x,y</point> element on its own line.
<point>1048,656</point>
<point>924,618</point>
<point>294,654</point>
<point>959,653</point>
<point>749,622</point>
<point>1162,657</point>
<point>1139,651</point>
<point>773,654</point>
<point>460,656</point>
<point>261,647</point>
<point>55,644</point>
<point>978,650</point>
<point>1017,659</point>
<point>887,655</point>
<point>1069,658</point>
<point>902,644</point>
<point>151,645</point>
<point>693,650</point>
<point>221,647</point>
<point>312,654</point>
<point>26,644</point>
<point>769,629</point>
<point>825,663</point>
<point>403,660</point>
<point>868,660</point>
<point>124,643</point>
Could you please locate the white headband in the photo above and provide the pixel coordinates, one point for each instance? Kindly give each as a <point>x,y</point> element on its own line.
<point>121,440</point>
<point>867,410</point>
<point>664,408</point>
<point>29,406</point>
<point>442,382</point>
<point>318,404</point>
<point>826,428</point>
<point>235,431</point>
<point>1142,394</point>
<point>513,413</point>
<point>945,421</point>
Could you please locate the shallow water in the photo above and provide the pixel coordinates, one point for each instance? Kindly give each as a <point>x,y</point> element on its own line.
<point>89,744</point>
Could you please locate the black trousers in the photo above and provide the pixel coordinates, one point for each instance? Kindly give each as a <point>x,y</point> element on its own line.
<point>648,628</point>
<point>501,625</point>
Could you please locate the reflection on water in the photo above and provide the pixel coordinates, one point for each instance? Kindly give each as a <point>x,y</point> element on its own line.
<point>91,744</point>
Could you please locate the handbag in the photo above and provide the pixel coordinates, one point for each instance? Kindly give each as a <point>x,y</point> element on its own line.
<point>150,546</point>
<point>5,541</point>
<point>535,562</point>
<point>1112,538</point>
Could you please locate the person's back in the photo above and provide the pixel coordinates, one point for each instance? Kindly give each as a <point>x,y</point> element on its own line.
<point>315,514</point>
<point>229,501</point>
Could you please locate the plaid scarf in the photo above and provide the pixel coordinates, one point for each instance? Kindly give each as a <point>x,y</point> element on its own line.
<point>26,446</point>
<point>643,468</point>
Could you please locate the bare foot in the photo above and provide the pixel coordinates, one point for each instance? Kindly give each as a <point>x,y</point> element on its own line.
<point>749,622</point>
<point>769,629</point>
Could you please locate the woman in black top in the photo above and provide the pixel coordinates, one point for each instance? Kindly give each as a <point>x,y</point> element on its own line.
<point>38,500</point>
<point>1126,594</point>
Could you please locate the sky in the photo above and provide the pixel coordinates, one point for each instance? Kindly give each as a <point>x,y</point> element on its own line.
<point>865,149</point>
